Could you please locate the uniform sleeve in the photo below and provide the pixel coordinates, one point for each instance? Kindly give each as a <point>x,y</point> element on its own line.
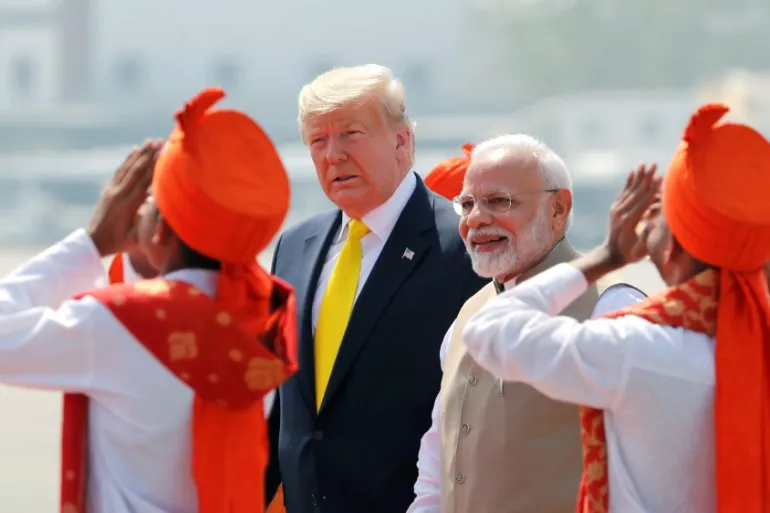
<point>49,348</point>
<point>519,336</point>
<point>71,266</point>
<point>428,485</point>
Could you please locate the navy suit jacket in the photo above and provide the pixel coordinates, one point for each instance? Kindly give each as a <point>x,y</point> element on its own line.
<point>358,454</point>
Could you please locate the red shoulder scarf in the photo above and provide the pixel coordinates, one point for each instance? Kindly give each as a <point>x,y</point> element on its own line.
<point>229,372</point>
<point>692,306</point>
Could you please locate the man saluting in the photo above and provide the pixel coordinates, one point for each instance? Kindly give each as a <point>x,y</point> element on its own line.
<point>164,377</point>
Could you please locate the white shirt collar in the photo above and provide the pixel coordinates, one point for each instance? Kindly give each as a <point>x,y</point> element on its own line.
<point>204,280</point>
<point>382,219</point>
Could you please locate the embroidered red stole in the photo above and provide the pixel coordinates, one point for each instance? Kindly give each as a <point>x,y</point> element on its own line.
<point>692,306</point>
<point>229,371</point>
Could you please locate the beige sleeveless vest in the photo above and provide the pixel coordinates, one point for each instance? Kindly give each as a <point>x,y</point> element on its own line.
<point>506,448</point>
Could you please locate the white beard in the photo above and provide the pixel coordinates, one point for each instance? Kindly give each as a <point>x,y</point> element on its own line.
<point>518,253</point>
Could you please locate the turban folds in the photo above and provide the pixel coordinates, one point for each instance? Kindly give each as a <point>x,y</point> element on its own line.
<point>446,179</point>
<point>715,203</point>
<point>220,185</point>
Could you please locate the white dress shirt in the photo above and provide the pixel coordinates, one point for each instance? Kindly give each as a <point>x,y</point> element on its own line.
<point>655,384</point>
<point>140,414</point>
<point>428,486</point>
<point>381,222</point>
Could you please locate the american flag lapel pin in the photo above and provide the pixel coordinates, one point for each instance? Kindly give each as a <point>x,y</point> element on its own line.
<point>408,254</point>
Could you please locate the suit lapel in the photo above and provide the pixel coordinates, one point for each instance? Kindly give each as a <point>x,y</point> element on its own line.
<point>314,252</point>
<point>403,251</point>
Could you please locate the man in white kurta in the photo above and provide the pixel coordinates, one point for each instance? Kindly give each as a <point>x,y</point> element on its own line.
<point>622,366</point>
<point>141,423</point>
<point>675,412</point>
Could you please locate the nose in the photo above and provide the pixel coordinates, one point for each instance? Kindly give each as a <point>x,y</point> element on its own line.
<point>335,151</point>
<point>478,217</point>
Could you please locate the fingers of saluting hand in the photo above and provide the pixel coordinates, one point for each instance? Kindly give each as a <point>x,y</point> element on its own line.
<point>641,190</point>
<point>138,176</point>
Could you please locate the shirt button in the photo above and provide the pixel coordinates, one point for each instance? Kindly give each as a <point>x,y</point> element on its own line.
<point>465,428</point>
<point>460,478</point>
<point>473,380</point>
<point>318,435</point>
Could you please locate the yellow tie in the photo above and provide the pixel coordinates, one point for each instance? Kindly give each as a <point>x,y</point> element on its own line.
<point>336,306</point>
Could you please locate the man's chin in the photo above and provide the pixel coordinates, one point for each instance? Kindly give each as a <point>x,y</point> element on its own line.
<point>490,264</point>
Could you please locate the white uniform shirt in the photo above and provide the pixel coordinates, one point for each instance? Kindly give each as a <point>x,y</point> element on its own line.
<point>654,383</point>
<point>140,414</point>
<point>428,486</point>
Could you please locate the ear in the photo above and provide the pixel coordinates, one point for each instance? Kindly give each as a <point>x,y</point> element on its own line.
<point>402,139</point>
<point>163,233</point>
<point>562,206</point>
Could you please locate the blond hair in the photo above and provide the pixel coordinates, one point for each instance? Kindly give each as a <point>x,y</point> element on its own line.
<point>348,85</point>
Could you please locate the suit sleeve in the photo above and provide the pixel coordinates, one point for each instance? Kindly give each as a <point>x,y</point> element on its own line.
<point>273,471</point>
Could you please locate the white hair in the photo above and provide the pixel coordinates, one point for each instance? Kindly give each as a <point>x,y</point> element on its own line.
<point>348,85</point>
<point>553,169</point>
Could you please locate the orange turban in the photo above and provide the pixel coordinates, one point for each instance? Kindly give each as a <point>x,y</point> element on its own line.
<point>715,203</point>
<point>447,178</point>
<point>220,185</point>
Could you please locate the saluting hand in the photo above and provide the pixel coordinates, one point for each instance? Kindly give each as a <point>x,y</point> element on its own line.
<point>624,241</point>
<point>113,224</point>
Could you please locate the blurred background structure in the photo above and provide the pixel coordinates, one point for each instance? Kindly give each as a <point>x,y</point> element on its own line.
<point>607,83</point>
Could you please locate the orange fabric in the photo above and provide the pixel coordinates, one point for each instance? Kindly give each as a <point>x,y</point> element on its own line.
<point>184,329</point>
<point>115,271</point>
<point>692,306</point>
<point>447,178</point>
<point>221,185</point>
<point>277,505</point>
<point>714,200</point>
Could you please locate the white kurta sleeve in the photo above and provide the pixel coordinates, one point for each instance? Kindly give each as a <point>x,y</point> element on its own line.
<point>427,488</point>
<point>73,265</point>
<point>50,348</point>
<point>520,337</point>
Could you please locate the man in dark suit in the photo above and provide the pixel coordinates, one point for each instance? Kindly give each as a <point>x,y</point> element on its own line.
<point>378,282</point>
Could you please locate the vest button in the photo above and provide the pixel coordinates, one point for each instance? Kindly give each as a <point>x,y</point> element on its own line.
<point>473,380</point>
<point>318,435</point>
<point>459,478</point>
<point>465,428</point>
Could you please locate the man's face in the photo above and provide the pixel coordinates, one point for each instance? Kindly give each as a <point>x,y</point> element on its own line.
<point>359,157</point>
<point>503,242</point>
<point>669,258</point>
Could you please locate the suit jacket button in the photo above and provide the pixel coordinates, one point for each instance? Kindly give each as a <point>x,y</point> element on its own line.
<point>318,435</point>
<point>313,499</point>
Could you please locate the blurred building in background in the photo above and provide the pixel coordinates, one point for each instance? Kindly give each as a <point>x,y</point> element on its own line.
<point>606,83</point>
